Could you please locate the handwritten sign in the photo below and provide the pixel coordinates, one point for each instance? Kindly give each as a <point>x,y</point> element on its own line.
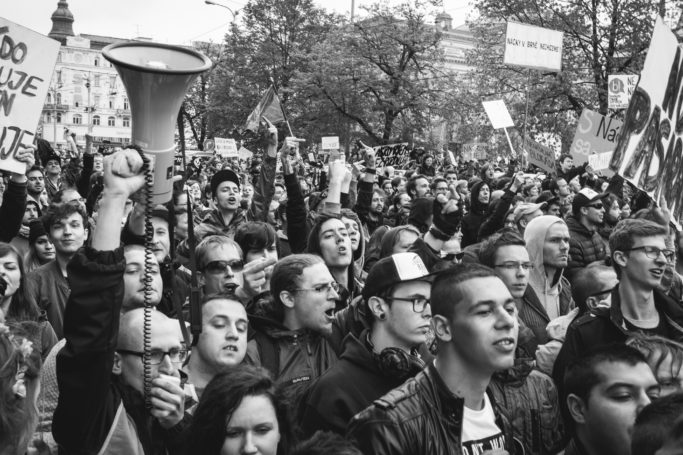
<point>330,143</point>
<point>600,161</point>
<point>540,155</point>
<point>245,153</point>
<point>533,47</point>
<point>619,90</point>
<point>226,148</point>
<point>649,151</point>
<point>475,151</point>
<point>27,60</point>
<point>396,155</point>
<point>498,114</point>
<point>595,134</point>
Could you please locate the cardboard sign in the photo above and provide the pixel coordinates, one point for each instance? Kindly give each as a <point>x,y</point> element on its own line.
<point>595,134</point>
<point>498,114</point>
<point>540,155</point>
<point>27,60</point>
<point>475,151</point>
<point>533,47</point>
<point>649,151</point>
<point>396,155</point>
<point>330,143</point>
<point>245,153</point>
<point>619,90</point>
<point>227,148</point>
<point>600,161</point>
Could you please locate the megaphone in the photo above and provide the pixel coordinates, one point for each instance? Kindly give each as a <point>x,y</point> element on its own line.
<point>156,77</point>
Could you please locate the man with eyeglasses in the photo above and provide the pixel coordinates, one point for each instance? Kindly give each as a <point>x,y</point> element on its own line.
<point>585,243</point>
<point>397,313</point>
<point>639,257</point>
<point>290,330</point>
<point>101,371</point>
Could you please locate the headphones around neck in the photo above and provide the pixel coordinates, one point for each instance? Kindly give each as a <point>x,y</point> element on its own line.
<point>395,362</point>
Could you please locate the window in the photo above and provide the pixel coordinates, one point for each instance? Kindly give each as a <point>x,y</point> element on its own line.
<point>58,98</point>
<point>76,103</point>
<point>97,61</point>
<point>48,117</point>
<point>49,98</point>
<point>125,104</point>
<point>78,119</point>
<point>111,121</point>
<point>112,82</point>
<point>96,99</point>
<point>97,80</point>
<point>59,117</point>
<point>111,103</point>
<point>126,122</point>
<point>96,120</point>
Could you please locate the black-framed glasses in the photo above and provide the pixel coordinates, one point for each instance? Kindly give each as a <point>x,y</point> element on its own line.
<point>653,252</point>
<point>322,288</point>
<point>419,303</point>
<point>511,265</point>
<point>216,267</point>
<point>156,356</point>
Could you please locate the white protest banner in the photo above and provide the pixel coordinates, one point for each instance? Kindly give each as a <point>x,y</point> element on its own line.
<point>330,143</point>
<point>533,47</point>
<point>245,153</point>
<point>600,161</point>
<point>619,90</point>
<point>649,150</point>
<point>540,155</point>
<point>396,155</point>
<point>498,114</point>
<point>595,134</point>
<point>475,151</point>
<point>227,148</point>
<point>27,60</point>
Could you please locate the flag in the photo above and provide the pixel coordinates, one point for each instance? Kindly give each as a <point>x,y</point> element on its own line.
<point>268,107</point>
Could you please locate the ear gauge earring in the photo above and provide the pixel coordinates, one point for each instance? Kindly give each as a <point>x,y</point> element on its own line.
<point>382,316</point>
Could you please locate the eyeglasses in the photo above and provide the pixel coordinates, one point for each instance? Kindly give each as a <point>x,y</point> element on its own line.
<point>323,288</point>
<point>156,356</point>
<point>597,206</point>
<point>653,252</point>
<point>419,303</point>
<point>216,267</point>
<point>515,265</point>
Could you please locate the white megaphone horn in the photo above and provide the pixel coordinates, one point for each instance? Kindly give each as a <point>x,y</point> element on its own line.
<point>156,78</point>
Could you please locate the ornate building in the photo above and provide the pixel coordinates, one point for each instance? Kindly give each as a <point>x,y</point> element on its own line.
<point>86,94</point>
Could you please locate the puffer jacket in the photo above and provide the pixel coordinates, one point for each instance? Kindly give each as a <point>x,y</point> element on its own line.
<point>421,417</point>
<point>213,224</point>
<point>584,246</point>
<point>295,358</point>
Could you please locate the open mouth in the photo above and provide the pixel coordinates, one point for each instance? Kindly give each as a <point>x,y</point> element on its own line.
<point>230,348</point>
<point>230,288</point>
<point>505,343</point>
<point>329,313</point>
<point>657,272</point>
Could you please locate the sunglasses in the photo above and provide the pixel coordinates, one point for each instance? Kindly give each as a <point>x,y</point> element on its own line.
<point>216,267</point>
<point>596,206</point>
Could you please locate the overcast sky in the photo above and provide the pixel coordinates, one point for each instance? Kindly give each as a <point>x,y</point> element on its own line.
<point>166,21</point>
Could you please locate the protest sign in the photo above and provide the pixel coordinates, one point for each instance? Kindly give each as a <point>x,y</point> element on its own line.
<point>396,155</point>
<point>475,151</point>
<point>619,90</point>
<point>245,153</point>
<point>540,155</point>
<point>649,150</point>
<point>533,47</point>
<point>498,114</point>
<point>227,148</point>
<point>600,161</point>
<point>330,143</point>
<point>595,134</point>
<point>27,60</point>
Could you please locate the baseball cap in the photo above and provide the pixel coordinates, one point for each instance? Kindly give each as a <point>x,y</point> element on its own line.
<point>223,176</point>
<point>527,208</point>
<point>586,196</point>
<point>397,268</point>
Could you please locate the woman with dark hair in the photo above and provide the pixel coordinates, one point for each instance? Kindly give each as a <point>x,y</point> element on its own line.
<point>16,306</point>
<point>258,241</point>
<point>241,411</point>
<point>19,388</point>
<point>479,203</point>
<point>40,249</point>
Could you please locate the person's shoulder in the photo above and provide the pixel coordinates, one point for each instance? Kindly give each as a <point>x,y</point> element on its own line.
<point>596,316</point>
<point>37,274</point>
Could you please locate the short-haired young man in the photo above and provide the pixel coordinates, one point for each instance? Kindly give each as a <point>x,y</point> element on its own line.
<point>35,183</point>
<point>396,306</point>
<point>604,392</point>
<point>585,243</point>
<point>639,256</point>
<point>446,408</point>
<point>418,186</point>
<point>654,424</point>
<point>289,332</point>
<point>47,286</point>
<point>228,215</point>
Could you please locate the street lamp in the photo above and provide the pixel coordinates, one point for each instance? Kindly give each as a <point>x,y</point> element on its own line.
<point>234,13</point>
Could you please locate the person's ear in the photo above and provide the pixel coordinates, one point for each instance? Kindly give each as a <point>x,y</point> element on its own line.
<point>584,211</point>
<point>200,278</point>
<point>577,408</point>
<point>619,258</point>
<point>287,299</point>
<point>116,366</point>
<point>378,307</point>
<point>442,328</point>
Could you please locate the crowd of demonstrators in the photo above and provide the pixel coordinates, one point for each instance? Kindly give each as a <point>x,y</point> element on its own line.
<point>470,307</point>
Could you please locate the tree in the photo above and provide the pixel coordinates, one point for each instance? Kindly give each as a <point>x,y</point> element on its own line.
<point>601,37</point>
<point>383,73</point>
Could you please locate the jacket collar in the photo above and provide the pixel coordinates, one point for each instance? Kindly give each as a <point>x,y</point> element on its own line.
<point>664,304</point>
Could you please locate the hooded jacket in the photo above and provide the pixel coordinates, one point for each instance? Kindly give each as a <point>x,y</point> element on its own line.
<point>474,219</point>
<point>554,292</point>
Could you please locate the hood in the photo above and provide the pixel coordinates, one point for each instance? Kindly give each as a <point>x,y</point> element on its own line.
<point>477,207</point>
<point>534,237</point>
